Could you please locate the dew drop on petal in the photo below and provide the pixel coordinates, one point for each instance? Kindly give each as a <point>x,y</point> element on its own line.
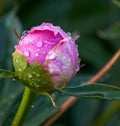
<point>31,40</point>
<point>46,45</point>
<point>31,50</point>
<point>16,60</point>
<point>39,44</point>
<point>44,52</point>
<point>15,46</point>
<point>36,54</point>
<point>26,53</point>
<point>19,69</point>
<point>51,56</point>
<point>64,58</point>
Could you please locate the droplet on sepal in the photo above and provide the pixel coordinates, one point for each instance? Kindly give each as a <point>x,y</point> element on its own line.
<point>19,69</point>
<point>38,75</point>
<point>16,60</point>
<point>30,75</point>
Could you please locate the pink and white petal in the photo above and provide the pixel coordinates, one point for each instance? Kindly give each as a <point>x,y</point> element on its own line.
<point>62,62</point>
<point>48,26</point>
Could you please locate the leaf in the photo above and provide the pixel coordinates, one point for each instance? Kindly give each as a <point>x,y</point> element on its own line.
<point>42,108</point>
<point>9,88</point>
<point>7,74</point>
<point>111,33</point>
<point>116,2</point>
<point>99,91</point>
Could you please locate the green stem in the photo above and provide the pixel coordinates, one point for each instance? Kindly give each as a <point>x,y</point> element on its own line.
<point>27,101</point>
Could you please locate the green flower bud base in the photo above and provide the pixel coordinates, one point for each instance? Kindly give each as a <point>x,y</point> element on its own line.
<point>34,75</point>
<point>36,79</point>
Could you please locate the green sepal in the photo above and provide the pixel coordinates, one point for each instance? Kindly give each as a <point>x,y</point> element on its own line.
<point>50,96</point>
<point>7,74</point>
<point>34,75</point>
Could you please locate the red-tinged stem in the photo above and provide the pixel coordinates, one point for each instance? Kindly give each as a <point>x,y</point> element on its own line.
<point>73,99</point>
<point>16,34</point>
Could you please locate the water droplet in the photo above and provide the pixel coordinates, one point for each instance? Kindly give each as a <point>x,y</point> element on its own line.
<point>71,71</point>
<point>29,75</point>
<point>16,60</point>
<point>26,53</point>
<point>31,40</point>
<point>46,45</point>
<point>15,46</point>
<point>44,52</point>
<point>19,69</point>
<point>51,55</point>
<point>64,58</point>
<point>32,106</point>
<point>34,72</point>
<point>36,54</point>
<point>77,69</point>
<point>68,64</point>
<point>31,50</point>
<point>39,44</point>
<point>36,85</point>
<point>45,41</point>
<point>38,75</point>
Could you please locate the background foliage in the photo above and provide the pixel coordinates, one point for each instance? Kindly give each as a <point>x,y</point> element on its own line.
<point>98,22</point>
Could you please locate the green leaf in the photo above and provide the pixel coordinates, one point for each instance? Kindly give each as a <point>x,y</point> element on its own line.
<point>99,91</point>
<point>9,88</point>
<point>116,2</point>
<point>111,33</point>
<point>7,74</point>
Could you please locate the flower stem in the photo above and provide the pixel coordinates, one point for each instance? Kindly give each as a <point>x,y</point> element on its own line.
<point>27,101</point>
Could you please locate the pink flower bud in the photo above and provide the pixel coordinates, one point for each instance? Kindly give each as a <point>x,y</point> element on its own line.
<point>52,48</point>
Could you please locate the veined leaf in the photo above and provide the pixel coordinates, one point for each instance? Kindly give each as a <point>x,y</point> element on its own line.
<point>6,74</point>
<point>99,91</point>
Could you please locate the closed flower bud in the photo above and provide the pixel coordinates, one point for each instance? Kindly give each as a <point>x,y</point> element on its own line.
<point>45,58</point>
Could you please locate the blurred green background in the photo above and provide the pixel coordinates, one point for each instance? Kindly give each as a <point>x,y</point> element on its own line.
<point>98,22</point>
